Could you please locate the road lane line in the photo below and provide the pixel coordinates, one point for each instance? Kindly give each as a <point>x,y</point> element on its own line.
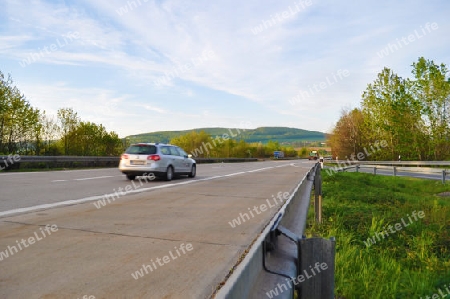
<point>94,178</point>
<point>85,179</point>
<point>236,173</point>
<point>97,197</point>
<point>261,169</point>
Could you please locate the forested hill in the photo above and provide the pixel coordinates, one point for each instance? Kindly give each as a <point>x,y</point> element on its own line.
<point>262,134</point>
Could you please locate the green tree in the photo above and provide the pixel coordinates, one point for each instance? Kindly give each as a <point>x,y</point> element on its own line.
<point>270,147</point>
<point>303,152</point>
<point>68,122</point>
<point>199,144</point>
<point>432,89</point>
<point>411,115</point>
<point>346,139</point>
<point>19,122</point>
<point>391,113</point>
<point>90,139</point>
<point>50,134</point>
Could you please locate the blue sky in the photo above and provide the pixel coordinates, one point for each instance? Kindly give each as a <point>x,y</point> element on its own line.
<point>143,66</point>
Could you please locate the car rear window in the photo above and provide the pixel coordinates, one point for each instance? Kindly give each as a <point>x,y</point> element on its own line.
<point>141,149</point>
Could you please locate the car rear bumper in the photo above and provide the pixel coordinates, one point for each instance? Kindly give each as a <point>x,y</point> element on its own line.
<point>144,173</point>
<point>152,168</point>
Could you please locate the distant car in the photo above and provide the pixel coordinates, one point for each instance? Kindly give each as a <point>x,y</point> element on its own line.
<point>161,160</point>
<point>313,155</point>
<point>278,154</point>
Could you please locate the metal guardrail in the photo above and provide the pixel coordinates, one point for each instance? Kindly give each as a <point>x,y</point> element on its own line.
<point>90,161</point>
<point>400,166</point>
<point>405,163</point>
<point>59,161</point>
<point>252,278</point>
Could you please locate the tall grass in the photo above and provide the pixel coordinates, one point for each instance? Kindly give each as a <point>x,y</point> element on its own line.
<point>413,261</point>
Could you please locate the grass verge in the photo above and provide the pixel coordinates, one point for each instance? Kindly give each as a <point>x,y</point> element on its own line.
<point>382,249</point>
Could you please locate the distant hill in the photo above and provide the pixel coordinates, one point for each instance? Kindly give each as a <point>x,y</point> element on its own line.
<point>283,135</point>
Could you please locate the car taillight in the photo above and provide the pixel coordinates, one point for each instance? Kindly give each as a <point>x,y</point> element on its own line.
<point>154,157</point>
<point>124,156</point>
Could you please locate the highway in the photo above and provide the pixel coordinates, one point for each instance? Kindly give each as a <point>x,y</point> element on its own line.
<point>94,234</point>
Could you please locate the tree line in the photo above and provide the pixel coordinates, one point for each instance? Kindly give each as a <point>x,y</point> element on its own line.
<point>203,145</point>
<point>27,130</point>
<point>411,115</point>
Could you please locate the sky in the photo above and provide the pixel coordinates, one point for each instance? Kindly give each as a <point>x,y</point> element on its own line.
<point>160,65</point>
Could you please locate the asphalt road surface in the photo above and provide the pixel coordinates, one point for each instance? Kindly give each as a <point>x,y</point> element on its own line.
<point>93,234</point>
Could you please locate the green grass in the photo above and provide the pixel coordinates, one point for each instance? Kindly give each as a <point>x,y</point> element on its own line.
<point>410,263</point>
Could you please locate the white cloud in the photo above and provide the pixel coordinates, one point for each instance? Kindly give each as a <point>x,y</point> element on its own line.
<point>121,56</point>
<point>156,109</point>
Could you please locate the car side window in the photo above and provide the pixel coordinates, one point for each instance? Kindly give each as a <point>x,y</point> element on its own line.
<point>165,150</point>
<point>182,153</point>
<point>174,151</point>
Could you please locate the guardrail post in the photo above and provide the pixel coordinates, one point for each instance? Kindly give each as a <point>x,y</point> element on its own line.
<point>395,171</point>
<point>318,195</point>
<point>443,176</point>
<point>316,268</point>
<point>357,168</point>
<point>375,170</point>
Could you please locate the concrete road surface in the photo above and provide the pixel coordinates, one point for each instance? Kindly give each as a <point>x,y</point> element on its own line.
<point>61,238</point>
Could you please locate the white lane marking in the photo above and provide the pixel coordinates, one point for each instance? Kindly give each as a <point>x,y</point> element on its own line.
<point>97,197</point>
<point>261,169</point>
<point>85,179</point>
<point>236,173</point>
<point>209,179</point>
<point>94,178</point>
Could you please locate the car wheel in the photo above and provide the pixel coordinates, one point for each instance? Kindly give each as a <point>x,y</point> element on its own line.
<point>169,173</point>
<point>193,171</point>
<point>131,177</point>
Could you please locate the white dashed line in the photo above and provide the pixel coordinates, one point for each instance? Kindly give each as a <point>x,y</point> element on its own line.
<point>94,178</point>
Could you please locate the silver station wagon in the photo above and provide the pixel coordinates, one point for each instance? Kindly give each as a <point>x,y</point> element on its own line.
<point>158,159</point>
